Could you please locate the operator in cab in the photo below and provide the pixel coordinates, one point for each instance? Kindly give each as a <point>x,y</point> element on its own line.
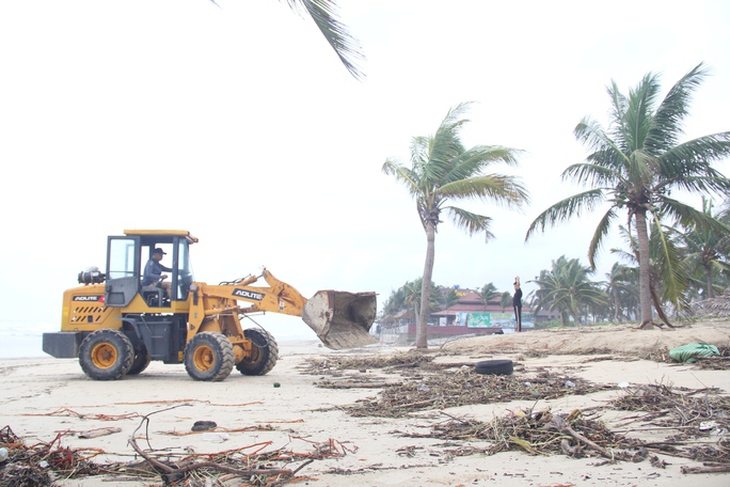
<point>153,272</point>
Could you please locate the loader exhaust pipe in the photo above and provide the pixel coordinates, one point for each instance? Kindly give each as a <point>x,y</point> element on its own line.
<point>341,319</point>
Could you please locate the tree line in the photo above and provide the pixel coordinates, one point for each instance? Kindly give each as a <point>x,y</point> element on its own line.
<point>573,291</point>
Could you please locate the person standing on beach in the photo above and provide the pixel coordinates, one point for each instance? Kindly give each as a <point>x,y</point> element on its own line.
<point>517,304</point>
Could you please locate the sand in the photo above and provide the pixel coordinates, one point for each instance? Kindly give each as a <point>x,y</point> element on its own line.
<point>45,397</point>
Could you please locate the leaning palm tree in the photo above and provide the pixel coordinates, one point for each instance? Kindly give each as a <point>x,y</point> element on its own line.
<point>442,170</point>
<point>636,164</point>
<point>325,15</point>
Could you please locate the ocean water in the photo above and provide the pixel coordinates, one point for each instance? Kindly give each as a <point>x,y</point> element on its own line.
<point>21,340</point>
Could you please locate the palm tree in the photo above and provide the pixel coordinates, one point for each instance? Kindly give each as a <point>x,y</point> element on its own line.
<point>442,169</point>
<point>325,15</point>
<point>445,297</point>
<point>707,251</point>
<point>395,303</point>
<point>620,286</point>
<point>488,293</point>
<point>668,275</point>
<point>567,290</point>
<point>412,295</point>
<point>635,165</point>
<point>505,301</point>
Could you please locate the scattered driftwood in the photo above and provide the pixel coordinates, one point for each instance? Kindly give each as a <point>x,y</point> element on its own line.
<point>395,361</point>
<point>724,468</point>
<point>697,421</point>
<point>31,466</point>
<point>715,363</point>
<point>700,417</point>
<point>434,388</point>
<point>540,433</point>
<point>100,417</point>
<point>256,464</point>
<point>98,432</point>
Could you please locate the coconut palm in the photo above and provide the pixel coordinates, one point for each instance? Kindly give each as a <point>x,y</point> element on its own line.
<point>442,170</point>
<point>487,294</point>
<point>707,252</point>
<point>636,164</point>
<point>412,295</point>
<point>395,303</point>
<point>669,277</point>
<point>505,301</point>
<point>445,297</point>
<point>621,286</point>
<point>566,289</point>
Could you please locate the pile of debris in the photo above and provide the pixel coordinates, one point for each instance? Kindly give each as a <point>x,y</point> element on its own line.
<point>432,392</point>
<point>42,463</point>
<point>698,421</point>
<point>714,307</point>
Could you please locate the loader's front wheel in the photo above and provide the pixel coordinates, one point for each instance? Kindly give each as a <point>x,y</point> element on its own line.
<point>209,357</point>
<point>264,353</point>
<point>106,355</point>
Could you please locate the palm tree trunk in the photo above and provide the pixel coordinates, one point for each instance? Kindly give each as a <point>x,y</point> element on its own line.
<point>708,282</point>
<point>642,235</point>
<point>422,325</point>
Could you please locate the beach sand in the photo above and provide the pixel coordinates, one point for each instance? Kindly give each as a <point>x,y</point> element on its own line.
<point>43,398</point>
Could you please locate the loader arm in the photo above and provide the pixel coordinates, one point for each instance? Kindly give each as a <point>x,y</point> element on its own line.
<point>340,319</point>
<point>209,302</point>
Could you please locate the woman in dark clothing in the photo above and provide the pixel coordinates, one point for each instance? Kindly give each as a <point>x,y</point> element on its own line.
<point>517,304</point>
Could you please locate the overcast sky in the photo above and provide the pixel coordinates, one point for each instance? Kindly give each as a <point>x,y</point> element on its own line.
<point>240,124</point>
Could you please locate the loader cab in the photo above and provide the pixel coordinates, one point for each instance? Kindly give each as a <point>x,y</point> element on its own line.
<point>127,256</point>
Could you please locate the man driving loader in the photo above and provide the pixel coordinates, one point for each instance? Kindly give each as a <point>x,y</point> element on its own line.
<point>153,272</point>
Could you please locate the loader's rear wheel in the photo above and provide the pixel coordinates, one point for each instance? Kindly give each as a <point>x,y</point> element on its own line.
<point>264,353</point>
<point>140,362</point>
<point>209,357</point>
<point>106,355</point>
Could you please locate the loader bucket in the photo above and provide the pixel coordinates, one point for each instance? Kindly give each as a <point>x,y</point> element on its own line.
<point>341,319</point>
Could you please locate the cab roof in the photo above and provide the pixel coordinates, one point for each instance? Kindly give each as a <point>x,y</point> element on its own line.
<point>162,233</point>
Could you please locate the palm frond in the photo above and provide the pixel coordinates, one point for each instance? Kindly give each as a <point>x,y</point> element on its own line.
<point>667,263</point>
<point>667,126</point>
<point>565,209</point>
<point>640,170</point>
<point>689,217</point>
<point>469,222</point>
<point>501,189</point>
<point>637,121</point>
<point>619,105</point>
<point>694,157</point>
<point>590,133</point>
<point>401,174</point>
<point>474,160</point>
<point>604,226</point>
<point>325,15</point>
<point>592,175</point>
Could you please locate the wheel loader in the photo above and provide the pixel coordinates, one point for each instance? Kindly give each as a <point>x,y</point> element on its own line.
<point>115,325</point>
